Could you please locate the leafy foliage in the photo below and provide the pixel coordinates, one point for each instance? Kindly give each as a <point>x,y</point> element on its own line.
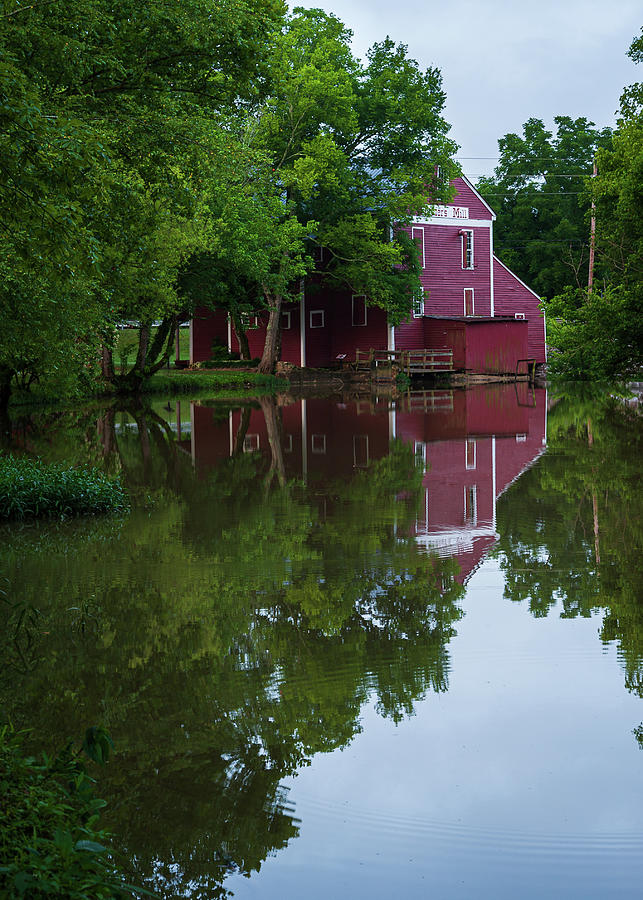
<point>30,488</point>
<point>599,333</point>
<point>244,625</point>
<point>50,845</point>
<point>538,192</point>
<point>577,550</point>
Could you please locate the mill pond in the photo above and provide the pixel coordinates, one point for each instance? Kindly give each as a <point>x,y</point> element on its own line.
<point>353,648</point>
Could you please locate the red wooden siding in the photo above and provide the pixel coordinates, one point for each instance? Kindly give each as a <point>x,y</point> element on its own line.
<point>206,326</point>
<point>486,343</point>
<point>290,340</point>
<point>511,296</point>
<point>495,346</point>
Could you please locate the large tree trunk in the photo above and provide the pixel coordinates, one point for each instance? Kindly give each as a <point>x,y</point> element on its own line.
<point>107,364</point>
<point>161,346</point>
<point>271,346</point>
<point>152,354</point>
<point>242,430</point>
<point>6,375</point>
<point>273,427</point>
<point>242,337</point>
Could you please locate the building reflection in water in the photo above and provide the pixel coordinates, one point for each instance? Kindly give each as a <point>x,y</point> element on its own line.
<point>471,443</point>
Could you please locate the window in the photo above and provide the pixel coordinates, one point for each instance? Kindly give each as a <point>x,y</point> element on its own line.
<point>285,320</point>
<point>359,309</point>
<point>468,302</point>
<point>288,443</point>
<point>249,321</point>
<point>317,319</point>
<point>318,443</point>
<point>418,236</point>
<point>250,443</point>
<point>467,249</point>
<point>519,315</point>
<point>471,505</point>
<point>420,455</point>
<point>418,302</point>
<point>360,451</point>
<point>470,453</point>
<point>318,253</point>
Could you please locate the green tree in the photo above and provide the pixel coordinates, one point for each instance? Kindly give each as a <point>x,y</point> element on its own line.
<point>599,333</point>
<point>113,113</point>
<point>538,192</point>
<point>350,149</point>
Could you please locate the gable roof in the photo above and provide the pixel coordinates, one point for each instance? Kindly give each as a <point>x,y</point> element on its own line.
<point>513,275</point>
<point>479,196</point>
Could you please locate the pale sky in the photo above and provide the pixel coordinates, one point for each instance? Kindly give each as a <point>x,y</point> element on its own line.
<point>504,62</point>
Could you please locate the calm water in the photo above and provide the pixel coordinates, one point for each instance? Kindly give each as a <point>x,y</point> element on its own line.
<point>350,649</point>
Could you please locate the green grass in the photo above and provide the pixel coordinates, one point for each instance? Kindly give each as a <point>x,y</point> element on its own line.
<point>127,343</point>
<point>30,488</point>
<point>216,380</point>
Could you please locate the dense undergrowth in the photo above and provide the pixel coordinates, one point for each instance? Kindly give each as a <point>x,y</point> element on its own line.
<point>30,488</point>
<point>50,843</point>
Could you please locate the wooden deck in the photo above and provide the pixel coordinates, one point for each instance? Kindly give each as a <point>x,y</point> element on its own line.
<point>412,362</point>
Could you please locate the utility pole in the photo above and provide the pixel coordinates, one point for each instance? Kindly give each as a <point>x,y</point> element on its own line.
<point>592,239</point>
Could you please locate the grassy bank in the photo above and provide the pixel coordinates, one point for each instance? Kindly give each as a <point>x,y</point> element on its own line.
<point>217,380</point>
<point>220,383</point>
<point>30,488</point>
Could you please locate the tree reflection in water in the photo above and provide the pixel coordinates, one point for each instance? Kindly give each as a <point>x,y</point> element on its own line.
<point>232,627</point>
<point>239,620</point>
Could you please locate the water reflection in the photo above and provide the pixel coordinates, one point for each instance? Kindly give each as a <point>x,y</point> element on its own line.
<point>286,564</point>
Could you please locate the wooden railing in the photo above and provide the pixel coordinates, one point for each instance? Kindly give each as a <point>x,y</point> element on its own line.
<point>530,365</point>
<point>410,361</point>
<point>428,401</point>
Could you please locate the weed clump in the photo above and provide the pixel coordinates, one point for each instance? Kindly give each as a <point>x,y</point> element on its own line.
<point>30,488</point>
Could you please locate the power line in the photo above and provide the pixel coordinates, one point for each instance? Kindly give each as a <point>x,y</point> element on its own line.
<point>543,194</point>
<point>545,175</point>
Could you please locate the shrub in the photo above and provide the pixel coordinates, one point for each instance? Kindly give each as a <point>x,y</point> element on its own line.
<point>49,843</point>
<point>30,487</point>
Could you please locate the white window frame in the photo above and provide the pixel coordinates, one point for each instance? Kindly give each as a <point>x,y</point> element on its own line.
<point>288,443</point>
<point>251,443</point>
<point>467,251</point>
<point>519,316</point>
<point>317,312</point>
<point>419,452</point>
<point>418,303</point>
<point>473,301</point>
<point>365,322</point>
<point>423,254</point>
<point>470,442</point>
<point>285,320</point>
<point>471,490</point>
<point>318,443</point>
